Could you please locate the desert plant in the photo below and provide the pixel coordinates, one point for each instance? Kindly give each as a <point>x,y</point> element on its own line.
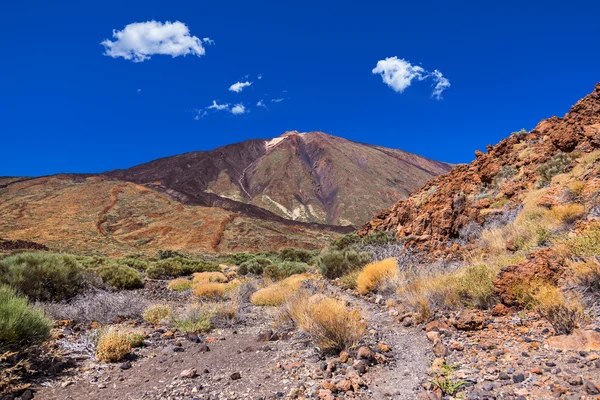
<point>210,290</point>
<point>444,379</point>
<point>255,266</point>
<point>348,281</point>
<point>165,254</point>
<point>207,277</point>
<point>43,276</point>
<point>180,284</point>
<point>193,319</point>
<point>584,245</point>
<point>587,274</point>
<point>20,323</point>
<point>275,294</point>
<point>568,213</point>
<point>179,266</point>
<point>113,346</point>
<point>335,263</point>
<point>332,325</point>
<point>475,285</point>
<point>97,306</point>
<point>136,339</point>
<point>565,313</point>
<point>505,173</point>
<point>558,164</point>
<point>156,313</point>
<point>374,275</point>
<point>297,255</point>
<point>284,269</point>
<point>120,276</point>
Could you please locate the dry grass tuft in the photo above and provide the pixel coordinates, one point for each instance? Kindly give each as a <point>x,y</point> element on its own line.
<point>565,313</point>
<point>180,284</point>
<point>567,213</point>
<point>332,325</point>
<point>210,290</point>
<point>156,313</point>
<point>276,293</point>
<point>587,274</point>
<point>208,277</point>
<point>113,346</point>
<point>375,275</point>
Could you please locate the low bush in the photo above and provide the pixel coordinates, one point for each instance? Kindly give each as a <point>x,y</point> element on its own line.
<point>297,255</point>
<point>113,346</point>
<point>476,285</point>
<point>276,293</point>
<point>348,281</point>
<point>134,262</point>
<point>285,269</point>
<point>156,313</point>
<point>179,266</point>
<point>564,313</point>
<point>136,339</point>
<point>44,276</point>
<point>568,213</point>
<point>194,319</point>
<point>20,323</point>
<point>333,326</point>
<point>335,263</point>
<point>208,277</point>
<point>166,254</point>
<point>376,274</point>
<point>587,275</point>
<point>180,284</point>
<point>97,306</point>
<point>584,245</point>
<point>210,290</point>
<point>558,164</point>
<point>255,266</point>
<point>120,276</point>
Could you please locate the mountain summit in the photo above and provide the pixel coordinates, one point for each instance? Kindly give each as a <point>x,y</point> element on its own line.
<point>306,177</point>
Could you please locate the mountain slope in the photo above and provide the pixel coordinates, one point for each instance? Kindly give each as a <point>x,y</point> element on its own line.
<point>95,215</point>
<point>311,177</point>
<point>449,212</point>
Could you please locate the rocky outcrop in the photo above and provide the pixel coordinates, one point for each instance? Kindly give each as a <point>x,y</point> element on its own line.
<point>436,218</point>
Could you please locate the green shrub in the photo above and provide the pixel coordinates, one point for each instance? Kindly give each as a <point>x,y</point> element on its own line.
<point>19,322</point>
<point>297,255</point>
<point>335,263</point>
<point>352,240</point>
<point>165,254</point>
<point>179,266</point>
<point>255,266</point>
<point>505,173</point>
<point>289,268</point>
<point>44,276</point>
<point>133,262</point>
<point>558,164</point>
<point>194,319</point>
<point>120,276</point>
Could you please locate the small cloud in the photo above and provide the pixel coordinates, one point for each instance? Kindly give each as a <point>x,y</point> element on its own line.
<point>141,40</point>
<point>239,86</point>
<point>259,77</point>
<point>277,100</point>
<point>208,41</point>
<point>218,107</point>
<point>138,91</point>
<point>238,109</point>
<point>261,104</point>
<point>399,75</point>
<point>200,114</point>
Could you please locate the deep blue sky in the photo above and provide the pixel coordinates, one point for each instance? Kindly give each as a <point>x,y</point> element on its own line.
<point>66,107</point>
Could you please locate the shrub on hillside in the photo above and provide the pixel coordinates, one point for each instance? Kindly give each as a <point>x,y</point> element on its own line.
<point>120,276</point>
<point>156,313</point>
<point>375,275</point>
<point>134,262</point>
<point>20,324</point>
<point>194,319</point>
<point>564,313</point>
<point>210,290</point>
<point>285,269</point>
<point>44,276</point>
<point>276,293</point>
<point>179,266</point>
<point>97,306</point>
<point>335,263</point>
<point>333,326</point>
<point>558,164</point>
<point>165,254</point>
<point>255,266</point>
<point>113,346</point>
<point>297,255</point>
<point>206,277</point>
<point>180,284</point>
<point>587,275</point>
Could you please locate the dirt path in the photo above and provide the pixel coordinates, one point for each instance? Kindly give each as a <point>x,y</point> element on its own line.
<point>402,378</point>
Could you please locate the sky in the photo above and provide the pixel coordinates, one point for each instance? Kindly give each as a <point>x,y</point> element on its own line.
<point>89,86</point>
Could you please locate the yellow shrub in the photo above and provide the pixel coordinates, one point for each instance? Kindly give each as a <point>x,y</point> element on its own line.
<point>430,292</point>
<point>568,213</point>
<point>564,313</point>
<point>206,277</point>
<point>375,274</point>
<point>155,313</point>
<point>180,284</point>
<point>586,244</point>
<point>113,346</point>
<point>348,281</point>
<point>212,290</point>
<point>276,293</point>
<point>587,274</point>
<point>332,325</point>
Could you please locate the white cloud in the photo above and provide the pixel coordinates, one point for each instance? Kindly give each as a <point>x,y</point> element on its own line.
<point>239,86</point>
<point>238,109</point>
<point>208,40</point>
<point>441,84</point>
<point>140,40</point>
<point>200,114</point>
<point>218,107</point>
<point>261,104</point>
<point>399,74</point>
<point>139,91</point>
<point>277,100</point>
<point>259,77</point>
